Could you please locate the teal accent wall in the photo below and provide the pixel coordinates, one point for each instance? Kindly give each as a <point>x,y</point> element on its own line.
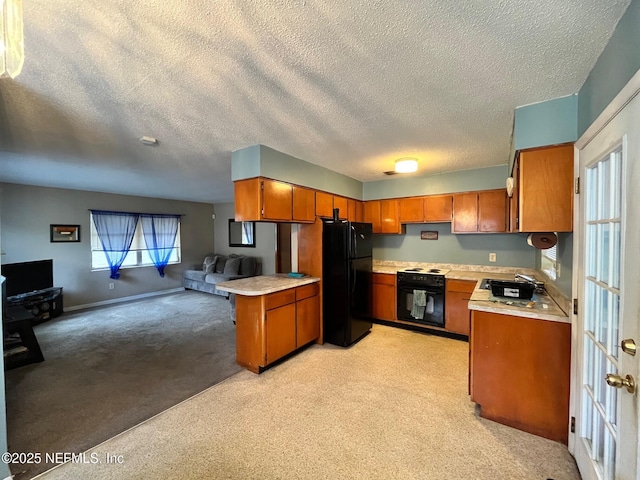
<point>565,262</point>
<point>546,123</point>
<point>461,181</point>
<point>512,249</point>
<point>245,163</point>
<point>618,62</point>
<point>260,160</point>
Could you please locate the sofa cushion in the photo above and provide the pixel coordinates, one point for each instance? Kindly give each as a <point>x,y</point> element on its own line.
<point>248,266</point>
<point>232,267</point>
<point>196,275</point>
<point>220,263</point>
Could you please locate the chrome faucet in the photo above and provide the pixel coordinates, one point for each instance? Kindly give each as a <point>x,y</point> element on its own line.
<point>526,278</point>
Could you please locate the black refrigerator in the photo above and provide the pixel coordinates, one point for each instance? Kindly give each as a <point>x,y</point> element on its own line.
<point>346,281</point>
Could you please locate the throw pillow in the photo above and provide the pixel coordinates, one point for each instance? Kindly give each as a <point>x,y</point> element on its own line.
<point>248,266</point>
<point>232,267</point>
<point>220,264</point>
<point>209,264</point>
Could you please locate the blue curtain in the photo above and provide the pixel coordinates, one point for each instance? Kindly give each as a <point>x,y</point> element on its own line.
<point>159,232</point>
<point>115,230</point>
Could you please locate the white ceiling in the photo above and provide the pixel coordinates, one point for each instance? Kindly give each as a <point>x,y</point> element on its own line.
<point>347,84</point>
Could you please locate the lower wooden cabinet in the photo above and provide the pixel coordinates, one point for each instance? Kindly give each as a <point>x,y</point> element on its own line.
<point>519,372</point>
<point>456,310</point>
<point>268,327</point>
<point>384,296</point>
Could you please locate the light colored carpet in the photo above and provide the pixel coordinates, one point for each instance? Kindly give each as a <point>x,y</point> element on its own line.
<point>110,368</point>
<point>393,406</point>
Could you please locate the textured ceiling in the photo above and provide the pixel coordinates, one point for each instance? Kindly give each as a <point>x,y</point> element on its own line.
<point>349,85</point>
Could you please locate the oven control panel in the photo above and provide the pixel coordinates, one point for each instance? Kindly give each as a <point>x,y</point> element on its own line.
<point>426,279</point>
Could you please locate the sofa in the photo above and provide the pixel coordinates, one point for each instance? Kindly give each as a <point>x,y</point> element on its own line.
<point>218,268</point>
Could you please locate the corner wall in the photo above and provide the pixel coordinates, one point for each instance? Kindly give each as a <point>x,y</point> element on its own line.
<point>27,212</point>
<point>265,247</point>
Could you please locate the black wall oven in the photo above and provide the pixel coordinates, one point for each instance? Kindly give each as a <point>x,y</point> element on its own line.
<point>421,298</point>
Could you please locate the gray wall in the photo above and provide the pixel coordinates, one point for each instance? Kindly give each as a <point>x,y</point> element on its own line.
<point>27,212</point>
<point>511,249</point>
<point>265,239</point>
<point>618,62</point>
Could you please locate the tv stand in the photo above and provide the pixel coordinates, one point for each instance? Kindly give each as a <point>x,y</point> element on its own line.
<point>43,304</point>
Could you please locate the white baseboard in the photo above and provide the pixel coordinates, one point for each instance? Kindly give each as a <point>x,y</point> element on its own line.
<point>123,299</point>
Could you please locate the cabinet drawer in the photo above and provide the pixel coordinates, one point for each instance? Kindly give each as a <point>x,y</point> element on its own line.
<point>464,286</point>
<point>277,299</point>
<point>384,278</point>
<point>307,291</point>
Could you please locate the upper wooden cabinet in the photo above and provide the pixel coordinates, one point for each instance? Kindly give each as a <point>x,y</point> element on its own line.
<point>390,216</point>
<point>304,204</point>
<point>259,199</point>
<point>480,212</point>
<point>341,203</point>
<point>372,215</point>
<point>355,210</point>
<point>324,204</point>
<point>438,208</point>
<point>411,210</point>
<point>544,194</point>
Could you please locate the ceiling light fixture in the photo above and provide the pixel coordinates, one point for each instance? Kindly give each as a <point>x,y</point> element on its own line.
<point>11,38</point>
<point>406,165</point>
<point>148,140</point>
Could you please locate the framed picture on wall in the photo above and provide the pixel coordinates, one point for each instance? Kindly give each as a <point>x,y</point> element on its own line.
<point>64,233</point>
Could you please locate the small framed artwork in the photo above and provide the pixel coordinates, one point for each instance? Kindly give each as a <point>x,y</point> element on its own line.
<point>429,235</point>
<point>65,233</point>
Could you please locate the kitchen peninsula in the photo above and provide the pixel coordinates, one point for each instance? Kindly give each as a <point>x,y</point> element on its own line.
<point>275,315</point>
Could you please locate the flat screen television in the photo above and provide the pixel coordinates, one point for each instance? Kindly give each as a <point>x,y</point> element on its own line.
<point>28,277</point>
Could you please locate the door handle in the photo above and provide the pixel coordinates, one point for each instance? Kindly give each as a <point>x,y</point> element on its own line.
<point>618,382</point>
<point>628,346</point>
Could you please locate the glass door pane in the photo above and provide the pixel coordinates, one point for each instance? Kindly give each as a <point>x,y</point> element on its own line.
<point>602,313</point>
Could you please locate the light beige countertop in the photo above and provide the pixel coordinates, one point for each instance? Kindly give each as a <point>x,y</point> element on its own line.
<point>263,284</point>
<point>544,308</point>
<point>541,306</point>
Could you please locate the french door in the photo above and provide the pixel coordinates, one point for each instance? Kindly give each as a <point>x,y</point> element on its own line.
<point>607,283</point>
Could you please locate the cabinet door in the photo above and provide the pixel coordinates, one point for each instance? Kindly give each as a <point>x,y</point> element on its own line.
<point>384,296</point>
<point>389,216</point>
<point>546,190</point>
<point>492,211</point>
<point>411,210</point>
<point>359,216</point>
<point>308,320</point>
<point>277,200</point>
<point>351,210</point>
<point>248,200</point>
<point>384,302</point>
<point>324,204</point>
<point>457,313</point>
<point>304,204</point>
<point>342,204</point>
<point>465,213</point>
<point>438,208</point>
<point>280,331</point>
<point>372,215</point>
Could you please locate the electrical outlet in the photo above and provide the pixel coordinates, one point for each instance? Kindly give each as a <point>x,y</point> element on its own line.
<point>112,285</point>
<point>492,257</point>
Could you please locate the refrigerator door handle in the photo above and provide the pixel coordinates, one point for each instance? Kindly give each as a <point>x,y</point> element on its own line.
<point>354,243</point>
<point>353,277</point>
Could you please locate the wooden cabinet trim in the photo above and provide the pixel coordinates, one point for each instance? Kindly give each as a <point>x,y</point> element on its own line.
<point>277,299</point>
<point>384,278</point>
<point>306,291</point>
